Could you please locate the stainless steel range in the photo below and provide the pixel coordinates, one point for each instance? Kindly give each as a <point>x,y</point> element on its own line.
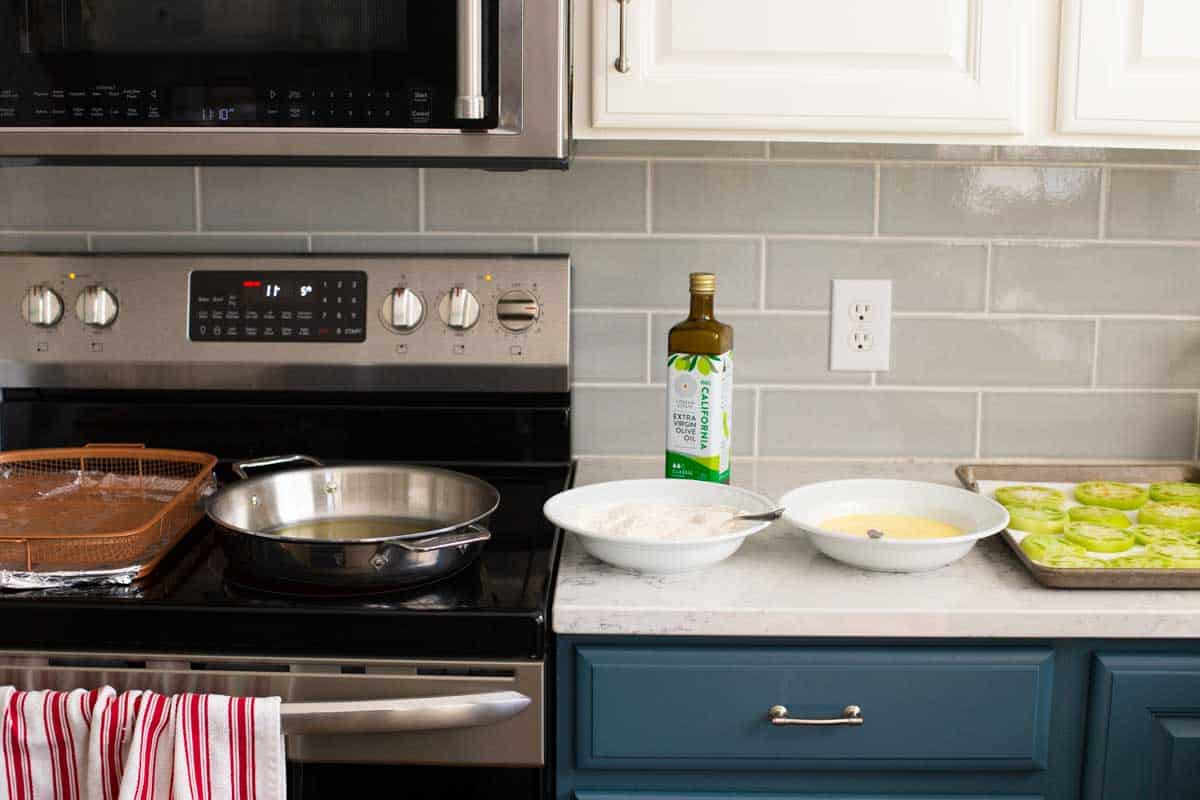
<point>454,362</point>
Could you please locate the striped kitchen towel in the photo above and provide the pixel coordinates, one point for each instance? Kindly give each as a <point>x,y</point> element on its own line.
<point>139,746</point>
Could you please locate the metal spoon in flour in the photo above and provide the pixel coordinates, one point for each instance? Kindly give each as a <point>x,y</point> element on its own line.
<point>760,516</point>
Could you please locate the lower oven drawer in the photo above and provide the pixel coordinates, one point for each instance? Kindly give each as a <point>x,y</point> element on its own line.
<point>453,696</point>
<point>705,708</point>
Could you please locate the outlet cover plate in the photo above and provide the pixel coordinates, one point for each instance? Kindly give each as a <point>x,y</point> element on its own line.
<point>861,311</point>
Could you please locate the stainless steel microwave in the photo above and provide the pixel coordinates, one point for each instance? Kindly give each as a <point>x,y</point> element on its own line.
<point>477,82</point>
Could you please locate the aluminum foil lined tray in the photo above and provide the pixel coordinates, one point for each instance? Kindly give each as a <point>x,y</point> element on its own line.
<point>986,478</point>
<point>98,514</point>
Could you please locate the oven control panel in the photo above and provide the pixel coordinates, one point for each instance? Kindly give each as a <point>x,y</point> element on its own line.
<point>277,306</point>
<point>329,323</point>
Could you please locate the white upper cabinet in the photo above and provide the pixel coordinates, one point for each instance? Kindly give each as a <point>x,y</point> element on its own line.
<point>855,66</point>
<point>1130,67</point>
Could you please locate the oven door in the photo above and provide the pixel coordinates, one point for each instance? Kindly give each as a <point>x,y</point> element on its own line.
<point>323,79</point>
<point>438,728</point>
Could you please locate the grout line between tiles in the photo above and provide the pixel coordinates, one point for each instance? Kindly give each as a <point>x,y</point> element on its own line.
<point>421,199</point>
<point>197,213</point>
<point>878,192</point>
<point>1105,189</point>
<point>978,424</point>
<point>1096,355</point>
<point>649,199</point>
<point>1196,452</point>
<point>762,273</point>
<point>987,279</point>
<point>902,162</point>
<point>757,419</point>
<point>649,347</point>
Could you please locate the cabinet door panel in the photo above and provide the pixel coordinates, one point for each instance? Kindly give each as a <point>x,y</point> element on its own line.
<point>1144,728</point>
<point>854,65</point>
<point>1130,67</point>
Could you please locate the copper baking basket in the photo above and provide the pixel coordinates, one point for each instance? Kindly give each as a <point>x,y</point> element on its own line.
<point>103,512</point>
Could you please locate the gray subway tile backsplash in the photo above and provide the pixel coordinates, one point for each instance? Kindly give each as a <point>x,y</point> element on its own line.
<point>708,196</point>
<point>591,196</point>
<point>609,347</point>
<point>1094,278</point>
<point>989,200</point>
<point>309,199</point>
<point>1149,353</point>
<point>349,243</point>
<point>1154,204</point>
<point>1088,425</point>
<point>1003,272</point>
<point>926,276</point>
<point>867,423</point>
<point>199,243</point>
<point>990,352</point>
<point>652,273</point>
<point>97,198</point>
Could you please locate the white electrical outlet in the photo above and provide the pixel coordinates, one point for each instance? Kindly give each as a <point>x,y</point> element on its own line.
<point>860,326</point>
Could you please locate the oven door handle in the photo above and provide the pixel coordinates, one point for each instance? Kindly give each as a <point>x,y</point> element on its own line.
<point>469,104</point>
<point>402,714</point>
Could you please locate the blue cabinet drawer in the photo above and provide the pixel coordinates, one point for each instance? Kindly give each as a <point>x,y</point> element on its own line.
<point>1144,728</point>
<point>674,708</point>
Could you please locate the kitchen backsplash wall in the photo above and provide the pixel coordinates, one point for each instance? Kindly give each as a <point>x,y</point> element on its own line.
<point>1047,301</point>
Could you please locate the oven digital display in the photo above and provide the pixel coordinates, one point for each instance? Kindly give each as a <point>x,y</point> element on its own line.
<point>283,306</point>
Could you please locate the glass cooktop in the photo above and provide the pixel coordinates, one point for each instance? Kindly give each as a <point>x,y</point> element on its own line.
<point>496,608</point>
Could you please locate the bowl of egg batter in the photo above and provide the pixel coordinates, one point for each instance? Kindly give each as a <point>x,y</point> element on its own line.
<point>891,525</point>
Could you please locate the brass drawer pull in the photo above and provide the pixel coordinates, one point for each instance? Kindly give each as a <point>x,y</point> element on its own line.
<point>851,715</point>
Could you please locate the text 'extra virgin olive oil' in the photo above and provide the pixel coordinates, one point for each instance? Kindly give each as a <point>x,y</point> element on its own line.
<point>700,390</point>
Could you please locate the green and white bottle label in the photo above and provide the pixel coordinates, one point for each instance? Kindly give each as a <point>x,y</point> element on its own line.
<point>699,416</point>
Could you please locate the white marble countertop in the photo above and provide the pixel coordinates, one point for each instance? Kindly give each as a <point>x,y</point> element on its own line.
<point>778,585</point>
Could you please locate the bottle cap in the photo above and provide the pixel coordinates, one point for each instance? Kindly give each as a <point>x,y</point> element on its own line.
<point>703,283</point>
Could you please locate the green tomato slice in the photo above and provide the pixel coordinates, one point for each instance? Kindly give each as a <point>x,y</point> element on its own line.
<point>1033,496</point>
<point>1098,538</point>
<point>1108,517</point>
<point>1149,534</point>
<point>1070,561</point>
<point>1175,492</point>
<point>1110,494</point>
<point>1180,516</point>
<point>1141,561</point>
<point>1182,555</point>
<point>1040,545</point>
<point>1036,519</point>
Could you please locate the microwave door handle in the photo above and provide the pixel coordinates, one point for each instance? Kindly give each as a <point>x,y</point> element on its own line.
<point>470,103</point>
<point>402,714</point>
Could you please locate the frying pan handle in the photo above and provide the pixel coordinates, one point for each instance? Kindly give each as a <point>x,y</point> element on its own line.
<point>240,467</point>
<point>472,535</point>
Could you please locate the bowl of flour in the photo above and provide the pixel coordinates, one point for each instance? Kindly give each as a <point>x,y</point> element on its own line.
<point>659,525</point>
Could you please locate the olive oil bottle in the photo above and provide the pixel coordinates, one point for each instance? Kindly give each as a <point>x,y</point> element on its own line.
<point>700,389</point>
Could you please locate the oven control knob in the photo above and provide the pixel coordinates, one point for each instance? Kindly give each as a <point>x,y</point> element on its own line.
<point>41,306</point>
<point>517,310</point>
<point>459,309</point>
<point>402,310</point>
<point>96,307</point>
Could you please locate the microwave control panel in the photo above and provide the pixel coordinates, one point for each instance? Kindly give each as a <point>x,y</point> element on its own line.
<point>277,306</point>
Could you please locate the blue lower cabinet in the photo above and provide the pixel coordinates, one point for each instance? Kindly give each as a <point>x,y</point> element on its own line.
<point>1144,730</point>
<point>706,708</point>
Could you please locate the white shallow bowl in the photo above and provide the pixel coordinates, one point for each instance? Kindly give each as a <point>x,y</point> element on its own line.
<point>654,555</point>
<point>809,506</point>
